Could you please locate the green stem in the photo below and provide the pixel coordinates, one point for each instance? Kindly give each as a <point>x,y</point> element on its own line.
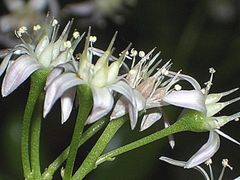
<point>191,121</point>
<point>35,138</point>
<point>37,84</point>
<point>85,104</point>
<point>89,163</point>
<point>91,131</point>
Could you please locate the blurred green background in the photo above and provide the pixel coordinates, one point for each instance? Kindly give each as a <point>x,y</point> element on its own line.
<point>196,35</point>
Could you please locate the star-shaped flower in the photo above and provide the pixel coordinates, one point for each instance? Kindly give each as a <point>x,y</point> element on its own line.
<point>102,78</point>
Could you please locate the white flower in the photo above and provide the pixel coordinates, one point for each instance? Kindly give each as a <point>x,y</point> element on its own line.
<point>199,168</point>
<point>156,87</point>
<point>39,50</point>
<point>102,78</point>
<point>213,124</point>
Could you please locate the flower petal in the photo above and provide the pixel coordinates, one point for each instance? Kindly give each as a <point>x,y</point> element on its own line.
<point>67,100</point>
<point>53,75</point>
<point>18,72</point>
<point>4,63</point>
<point>102,104</point>
<point>120,108</point>
<point>38,5</point>
<point>182,164</point>
<point>149,119</point>
<point>192,99</point>
<point>206,151</point>
<point>124,89</point>
<point>57,88</point>
<point>14,5</point>
<point>190,79</point>
<point>226,136</point>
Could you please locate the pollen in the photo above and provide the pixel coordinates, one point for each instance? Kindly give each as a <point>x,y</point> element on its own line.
<point>141,54</point>
<point>76,34</point>
<point>208,162</point>
<point>54,22</point>
<point>20,31</point>
<point>93,39</point>
<point>164,71</point>
<point>36,27</point>
<point>67,44</point>
<point>225,164</point>
<point>133,52</point>
<point>177,87</point>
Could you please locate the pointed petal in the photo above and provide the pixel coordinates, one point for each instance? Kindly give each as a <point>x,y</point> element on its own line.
<point>206,151</point>
<point>18,72</point>
<point>53,75</point>
<point>149,119</point>
<point>182,164</point>
<point>215,97</point>
<point>124,89</point>
<point>226,136</point>
<point>102,104</point>
<point>214,108</point>
<point>192,99</point>
<point>190,79</point>
<point>119,109</point>
<point>4,63</point>
<point>67,100</point>
<point>56,89</point>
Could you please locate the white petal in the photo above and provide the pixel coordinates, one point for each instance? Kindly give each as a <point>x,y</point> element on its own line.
<point>190,79</point>
<point>56,89</point>
<point>119,109</point>
<point>206,151</point>
<point>53,75</point>
<point>102,104</point>
<point>149,119</point>
<point>182,164</point>
<point>192,99</point>
<point>18,72</point>
<point>227,136</point>
<point>67,100</point>
<point>4,63</point>
<point>124,89</point>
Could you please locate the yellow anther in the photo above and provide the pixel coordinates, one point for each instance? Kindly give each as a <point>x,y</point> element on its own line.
<point>76,34</point>
<point>133,52</point>
<point>208,162</point>
<point>177,87</point>
<point>36,27</point>
<point>141,54</point>
<point>67,44</point>
<point>93,39</point>
<point>225,164</point>
<point>54,22</point>
<point>164,71</point>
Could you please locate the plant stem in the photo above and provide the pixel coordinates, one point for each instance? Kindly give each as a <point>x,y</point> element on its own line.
<point>91,131</point>
<point>36,87</point>
<point>89,163</point>
<point>85,104</point>
<point>35,137</point>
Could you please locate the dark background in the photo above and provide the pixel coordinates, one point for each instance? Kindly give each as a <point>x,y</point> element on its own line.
<point>196,35</point>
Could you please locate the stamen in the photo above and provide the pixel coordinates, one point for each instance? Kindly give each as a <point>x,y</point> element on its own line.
<point>133,52</point>
<point>92,39</point>
<point>141,54</point>
<point>67,44</point>
<point>209,83</point>
<point>36,27</point>
<point>177,87</point>
<point>20,31</point>
<point>76,34</point>
<point>208,163</point>
<point>225,164</point>
<point>54,22</point>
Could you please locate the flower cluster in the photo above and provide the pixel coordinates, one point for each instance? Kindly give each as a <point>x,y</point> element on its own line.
<point>146,87</point>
